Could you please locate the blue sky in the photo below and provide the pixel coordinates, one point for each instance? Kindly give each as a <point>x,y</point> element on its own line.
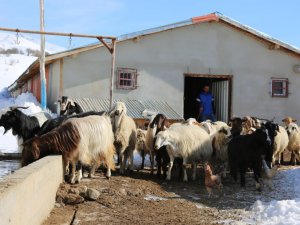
<point>279,19</point>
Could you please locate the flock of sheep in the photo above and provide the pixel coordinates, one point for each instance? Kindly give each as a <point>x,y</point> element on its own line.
<point>94,137</point>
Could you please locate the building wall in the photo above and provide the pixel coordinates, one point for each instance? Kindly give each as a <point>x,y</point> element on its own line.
<point>208,48</point>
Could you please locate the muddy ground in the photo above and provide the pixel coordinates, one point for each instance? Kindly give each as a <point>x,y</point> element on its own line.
<point>139,198</point>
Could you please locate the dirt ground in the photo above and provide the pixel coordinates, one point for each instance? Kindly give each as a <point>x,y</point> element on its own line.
<point>139,198</point>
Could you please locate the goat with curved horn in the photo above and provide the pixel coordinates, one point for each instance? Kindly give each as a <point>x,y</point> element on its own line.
<point>18,107</point>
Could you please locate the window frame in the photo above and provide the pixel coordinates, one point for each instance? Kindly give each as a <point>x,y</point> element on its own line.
<point>133,78</point>
<point>285,87</point>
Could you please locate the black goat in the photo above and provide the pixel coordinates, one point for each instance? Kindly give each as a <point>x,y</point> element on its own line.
<point>161,122</point>
<point>162,157</point>
<point>272,128</point>
<point>68,106</point>
<point>237,125</point>
<point>247,151</point>
<point>22,125</point>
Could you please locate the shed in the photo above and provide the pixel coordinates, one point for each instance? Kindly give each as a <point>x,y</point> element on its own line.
<point>250,73</point>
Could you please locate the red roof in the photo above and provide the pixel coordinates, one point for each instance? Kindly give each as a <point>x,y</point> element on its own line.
<point>205,18</point>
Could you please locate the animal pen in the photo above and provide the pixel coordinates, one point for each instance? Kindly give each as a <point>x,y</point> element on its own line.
<point>111,47</point>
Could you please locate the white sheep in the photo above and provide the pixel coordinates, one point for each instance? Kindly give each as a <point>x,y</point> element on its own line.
<point>141,145</point>
<point>250,124</point>
<point>124,129</point>
<point>212,127</point>
<point>220,142</point>
<point>191,121</point>
<point>281,142</point>
<point>294,140</point>
<point>190,143</point>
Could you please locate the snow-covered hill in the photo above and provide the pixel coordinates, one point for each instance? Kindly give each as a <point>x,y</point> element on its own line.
<point>16,55</point>
<point>24,42</point>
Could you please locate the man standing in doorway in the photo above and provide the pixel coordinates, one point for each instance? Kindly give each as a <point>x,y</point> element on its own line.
<point>206,103</point>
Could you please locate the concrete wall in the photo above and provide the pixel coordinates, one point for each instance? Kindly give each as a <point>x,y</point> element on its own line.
<point>28,195</point>
<point>207,48</point>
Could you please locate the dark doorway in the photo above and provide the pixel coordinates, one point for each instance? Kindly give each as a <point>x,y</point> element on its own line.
<point>220,86</point>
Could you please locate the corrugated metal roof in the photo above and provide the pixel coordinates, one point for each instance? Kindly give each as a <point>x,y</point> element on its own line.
<point>161,107</point>
<point>135,108</point>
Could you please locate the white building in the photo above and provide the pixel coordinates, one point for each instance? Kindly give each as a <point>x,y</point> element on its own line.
<point>250,73</point>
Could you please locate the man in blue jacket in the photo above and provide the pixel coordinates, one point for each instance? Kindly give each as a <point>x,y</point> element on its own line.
<point>206,103</point>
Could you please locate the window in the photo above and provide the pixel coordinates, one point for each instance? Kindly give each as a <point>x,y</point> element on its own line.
<point>127,78</point>
<point>279,87</point>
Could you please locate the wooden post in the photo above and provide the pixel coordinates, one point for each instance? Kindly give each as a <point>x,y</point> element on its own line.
<point>112,76</point>
<point>42,59</point>
<point>61,77</point>
<point>55,33</point>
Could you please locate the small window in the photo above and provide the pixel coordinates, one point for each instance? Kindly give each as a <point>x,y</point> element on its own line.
<point>279,87</point>
<point>127,78</point>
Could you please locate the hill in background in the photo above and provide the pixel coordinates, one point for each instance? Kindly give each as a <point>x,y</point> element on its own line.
<point>16,55</point>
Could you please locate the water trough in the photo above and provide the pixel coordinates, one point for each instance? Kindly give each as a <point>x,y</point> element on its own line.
<point>28,195</point>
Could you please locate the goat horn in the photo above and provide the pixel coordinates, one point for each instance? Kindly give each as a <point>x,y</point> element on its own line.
<point>18,107</point>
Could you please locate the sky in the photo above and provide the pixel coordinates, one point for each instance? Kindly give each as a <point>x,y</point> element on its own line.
<point>279,18</point>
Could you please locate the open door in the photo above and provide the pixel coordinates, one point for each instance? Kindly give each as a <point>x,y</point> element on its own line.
<point>220,86</point>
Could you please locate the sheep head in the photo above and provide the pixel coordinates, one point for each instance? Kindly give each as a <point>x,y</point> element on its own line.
<point>237,125</point>
<point>159,123</point>
<point>118,109</point>
<point>292,129</point>
<point>31,151</point>
<point>10,120</point>
<point>141,136</point>
<point>161,140</point>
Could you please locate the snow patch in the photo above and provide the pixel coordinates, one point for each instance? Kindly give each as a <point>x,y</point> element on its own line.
<point>279,211</point>
<point>194,197</point>
<point>201,206</point>
<point>137,160</point>
<point>154,198</point>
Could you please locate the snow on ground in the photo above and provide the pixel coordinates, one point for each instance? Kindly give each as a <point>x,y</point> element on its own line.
<point>285,211</point>
<point>138,160</point>
<point>154,198</point>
